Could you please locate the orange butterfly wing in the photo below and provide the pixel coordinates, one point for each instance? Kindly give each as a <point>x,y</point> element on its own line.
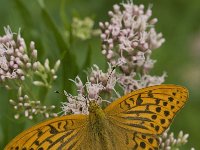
<point>146,113</point>
<point>135,119</point>
<point>66,132</point>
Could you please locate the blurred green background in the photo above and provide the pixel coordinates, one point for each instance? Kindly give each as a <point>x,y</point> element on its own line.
<point>179,21</point>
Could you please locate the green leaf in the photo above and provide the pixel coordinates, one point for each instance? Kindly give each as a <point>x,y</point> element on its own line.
<point>23,12</point>
<point>68,59</point>
<point>63,15</point>
<point>86,64</point>
<point>88,58</point>
<point>29,25</point>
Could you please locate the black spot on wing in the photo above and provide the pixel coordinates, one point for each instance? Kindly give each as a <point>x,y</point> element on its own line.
<point>144,136</point>
<point>139,100</point>
<point>157,101</point>
<point>150,140</point>
<point>157,128</point>
<point>154,117</point>
<point>39,133</point>
<point>150,94</point>
<point>174,93</point>
<point>162,121</point>
<point>49,140</point>
<point>171,99</point>
<point>158,109</point>
<point>166,113</point>
<point>37,143</point>
<point>165,103</point>
<point>142,145</point>
<point>53,130</point>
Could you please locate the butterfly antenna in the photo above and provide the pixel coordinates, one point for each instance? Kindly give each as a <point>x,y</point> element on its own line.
<point>99,98</point>
<point>86,98</point>
<point>70,96</point>
<point>113,68</point>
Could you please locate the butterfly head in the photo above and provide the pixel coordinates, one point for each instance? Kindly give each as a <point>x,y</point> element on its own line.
<point>93,106</point>
<point>96,114</point>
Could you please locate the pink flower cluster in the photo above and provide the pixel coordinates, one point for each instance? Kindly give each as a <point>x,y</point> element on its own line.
<point>130,35</point>
<point>99,83</point>
<point>18,62</point>
<point>14,57</point>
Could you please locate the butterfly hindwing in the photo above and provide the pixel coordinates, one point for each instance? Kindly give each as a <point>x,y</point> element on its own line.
<point>130,140</point>
<point>149,110</point>
<point>138,141</point>
<point>66,132</point>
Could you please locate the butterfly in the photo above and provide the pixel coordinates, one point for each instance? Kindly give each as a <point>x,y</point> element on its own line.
<point>133,121</point>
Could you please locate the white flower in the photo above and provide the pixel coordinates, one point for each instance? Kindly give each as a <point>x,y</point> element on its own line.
<point>129,33</point>
<point>3,63</point>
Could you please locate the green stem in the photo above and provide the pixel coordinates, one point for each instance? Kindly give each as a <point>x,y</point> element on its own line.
<point>43,94</point>
<point>27,90</point>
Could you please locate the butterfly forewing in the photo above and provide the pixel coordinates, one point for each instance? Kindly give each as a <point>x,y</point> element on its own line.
<point>147,112</point>
<point>65,132</point>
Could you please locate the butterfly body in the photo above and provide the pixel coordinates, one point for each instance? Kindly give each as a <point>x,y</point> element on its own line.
<point>133,121</point>
<point>101,132</point>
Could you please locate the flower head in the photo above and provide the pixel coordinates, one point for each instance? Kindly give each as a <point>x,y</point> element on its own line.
<point>15,61</point>
<point>130,35</point>
<point>169,142</point>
